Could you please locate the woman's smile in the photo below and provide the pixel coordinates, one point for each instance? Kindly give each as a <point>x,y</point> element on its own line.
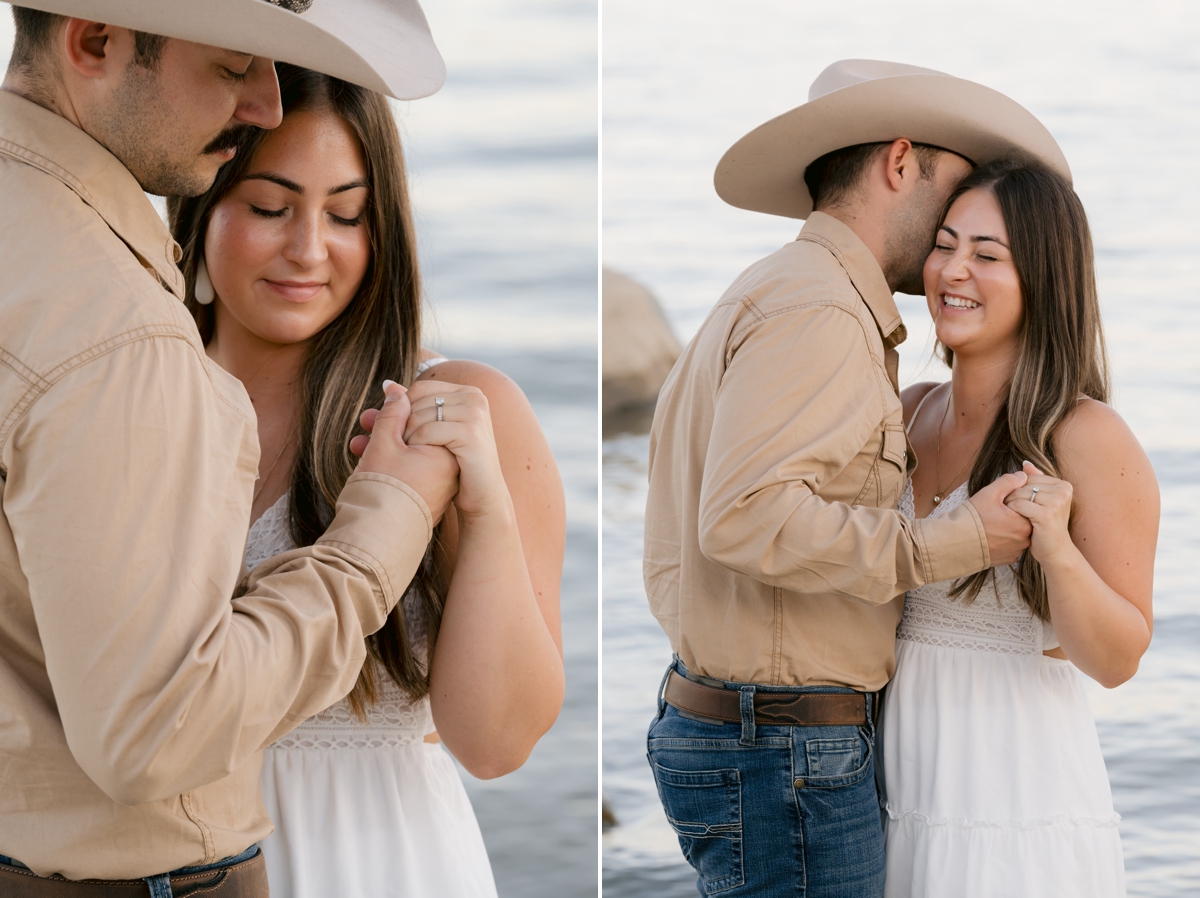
<point>296,291</point>
<point>955,303</point>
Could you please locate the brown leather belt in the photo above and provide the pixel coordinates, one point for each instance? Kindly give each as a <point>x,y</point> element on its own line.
<point>800,709</point>
<point>246,879</point>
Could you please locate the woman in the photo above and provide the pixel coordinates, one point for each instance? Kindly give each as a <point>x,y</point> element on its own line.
<point>995,780</point>
<point>302,274</point>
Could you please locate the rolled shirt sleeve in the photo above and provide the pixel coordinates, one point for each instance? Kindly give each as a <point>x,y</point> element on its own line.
<point>761,513</point>
<point>126,493</point>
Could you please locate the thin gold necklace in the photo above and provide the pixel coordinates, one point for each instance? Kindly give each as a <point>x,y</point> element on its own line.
<point>262,484</point>
<point>940,494</point>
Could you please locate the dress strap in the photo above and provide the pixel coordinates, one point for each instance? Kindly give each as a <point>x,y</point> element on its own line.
<point>920,405</point>
<point>429,363</point>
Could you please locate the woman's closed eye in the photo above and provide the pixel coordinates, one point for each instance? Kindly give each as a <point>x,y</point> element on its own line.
<point>268,213</point>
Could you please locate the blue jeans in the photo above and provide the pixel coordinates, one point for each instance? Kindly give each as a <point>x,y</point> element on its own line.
<point>768,811</point>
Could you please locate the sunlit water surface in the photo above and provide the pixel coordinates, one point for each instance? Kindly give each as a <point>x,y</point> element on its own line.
<point>503,169</point>
<point>1119,85</point>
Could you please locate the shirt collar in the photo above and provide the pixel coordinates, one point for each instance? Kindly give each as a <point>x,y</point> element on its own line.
<point>863,269</point>
<point>47,141</point>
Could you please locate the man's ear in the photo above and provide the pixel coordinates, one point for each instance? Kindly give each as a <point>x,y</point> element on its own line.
<point>88,47</point>
<point>900,163</point>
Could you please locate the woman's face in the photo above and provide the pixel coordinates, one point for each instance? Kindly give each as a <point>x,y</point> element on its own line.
<point>971,283</point>
<point>287,248</point>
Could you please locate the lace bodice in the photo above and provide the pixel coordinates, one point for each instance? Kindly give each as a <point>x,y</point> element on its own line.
<point>997,621</point>
<point>392,720</point>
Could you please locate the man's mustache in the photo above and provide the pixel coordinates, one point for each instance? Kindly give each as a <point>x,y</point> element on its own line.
<point>231,138</point>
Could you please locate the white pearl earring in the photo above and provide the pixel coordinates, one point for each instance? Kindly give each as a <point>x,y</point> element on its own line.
<point>204,287</point>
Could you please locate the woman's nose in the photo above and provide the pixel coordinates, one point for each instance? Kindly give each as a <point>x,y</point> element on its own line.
<point>956,268</point>
<point>306,242</point>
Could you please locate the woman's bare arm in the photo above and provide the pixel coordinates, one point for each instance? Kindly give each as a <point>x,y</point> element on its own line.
<point>1100,571</point>
<point>496,678</point>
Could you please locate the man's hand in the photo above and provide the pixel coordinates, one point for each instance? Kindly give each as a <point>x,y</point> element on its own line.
<point>1007,532</point>
<point>430,470</point>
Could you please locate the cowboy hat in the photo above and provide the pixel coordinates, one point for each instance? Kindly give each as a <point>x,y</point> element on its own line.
<point>857,101</point>
<point>384,45</point>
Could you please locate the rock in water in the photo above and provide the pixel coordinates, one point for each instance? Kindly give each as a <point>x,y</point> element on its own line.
<point>639,345</point>
<point>607,817</point>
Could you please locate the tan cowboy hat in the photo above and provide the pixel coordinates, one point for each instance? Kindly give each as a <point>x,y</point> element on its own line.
<point>381,44</point>
<point>867,101</point>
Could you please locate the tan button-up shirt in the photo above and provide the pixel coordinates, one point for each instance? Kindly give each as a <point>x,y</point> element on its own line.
<point>135,693</point>
<point>773,552</point>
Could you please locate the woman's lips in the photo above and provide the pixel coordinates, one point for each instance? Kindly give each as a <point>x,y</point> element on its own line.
<point>953,302</point>
<point>296,291</point>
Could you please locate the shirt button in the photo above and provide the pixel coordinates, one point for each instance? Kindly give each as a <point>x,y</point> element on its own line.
<point>798,782</point>
<point>176,251</point>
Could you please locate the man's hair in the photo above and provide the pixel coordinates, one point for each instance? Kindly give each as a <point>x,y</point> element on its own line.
<point>35,32</point>
<point>833,178</point>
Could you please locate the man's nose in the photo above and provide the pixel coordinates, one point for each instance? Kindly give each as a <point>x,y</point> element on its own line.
<point>259,102</point>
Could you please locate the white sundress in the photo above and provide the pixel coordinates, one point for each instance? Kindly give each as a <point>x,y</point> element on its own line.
<point>366,809</point>
<point>995,783</point>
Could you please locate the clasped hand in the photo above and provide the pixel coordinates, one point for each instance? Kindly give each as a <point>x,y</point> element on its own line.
<point>452,458</point>
<point>1048,511</point>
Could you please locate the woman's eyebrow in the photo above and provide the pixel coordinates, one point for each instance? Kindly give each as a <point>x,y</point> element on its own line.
<point>353,184</point>
<point>953,233</point>
<point>276,179</point>
<point>981,239</point>
<point>291,185</point>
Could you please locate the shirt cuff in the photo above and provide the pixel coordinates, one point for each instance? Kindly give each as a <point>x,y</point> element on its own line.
<point>386,525</point>
<point>952,546</point>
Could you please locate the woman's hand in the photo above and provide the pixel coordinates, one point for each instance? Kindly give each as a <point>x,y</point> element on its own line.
<point>431,471</point>
<point>465,430</point>
<point>1046,502</point>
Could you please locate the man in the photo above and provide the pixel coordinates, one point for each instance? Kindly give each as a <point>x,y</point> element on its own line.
<point>135,696</point>
<point>774,558</point>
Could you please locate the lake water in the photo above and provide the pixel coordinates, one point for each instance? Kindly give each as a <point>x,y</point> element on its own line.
<point>1119,85</point>
<point>504,174</point>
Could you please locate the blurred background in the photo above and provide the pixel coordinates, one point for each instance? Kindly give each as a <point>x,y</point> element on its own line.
<point>504,174</point>
<point>1118,84</point>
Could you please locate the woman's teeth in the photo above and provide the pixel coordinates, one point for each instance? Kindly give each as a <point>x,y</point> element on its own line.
<point>957,302</point>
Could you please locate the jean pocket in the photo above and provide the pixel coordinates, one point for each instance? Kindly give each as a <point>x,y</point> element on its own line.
<point>837,762</point>
<point>704,807</point>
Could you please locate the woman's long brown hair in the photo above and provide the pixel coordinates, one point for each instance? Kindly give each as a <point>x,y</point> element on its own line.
<point>376,337</point>
<point>1061,354</point>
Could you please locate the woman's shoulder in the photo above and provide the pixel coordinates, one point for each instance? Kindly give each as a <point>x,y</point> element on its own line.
<point>912,396</point>
<point>1094,442</point>
<point>1092,425</point>
<point>506,400</point>
<point>468,372</point>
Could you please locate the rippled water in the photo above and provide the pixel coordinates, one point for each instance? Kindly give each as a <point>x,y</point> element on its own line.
<point>1119,86</point>
<point>503,167</point>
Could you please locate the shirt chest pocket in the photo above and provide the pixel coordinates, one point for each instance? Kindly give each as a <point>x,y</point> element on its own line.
<point>885,482</point>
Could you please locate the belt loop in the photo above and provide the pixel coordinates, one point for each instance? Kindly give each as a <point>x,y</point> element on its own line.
<point>160,886</point>
<point>747,696</point>
<point>662,703</point>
